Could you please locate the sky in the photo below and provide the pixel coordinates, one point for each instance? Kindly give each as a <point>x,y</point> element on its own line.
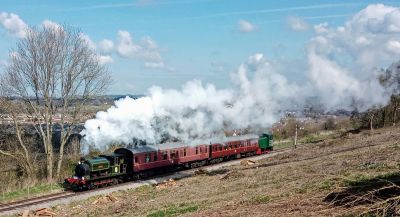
<point>169,42</point>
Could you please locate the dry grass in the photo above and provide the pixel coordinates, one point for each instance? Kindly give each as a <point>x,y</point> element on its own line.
<point>292,184</point>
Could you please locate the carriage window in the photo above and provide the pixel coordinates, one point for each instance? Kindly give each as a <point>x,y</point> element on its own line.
<point>184,152</point>
<point>206,149</point>
<point>164,155</point>
<point>155,156</point>
<point>226,147</point>
<point>147,159</point>
<point>197,150</point>
<point>136,159</point>
<point>220,147</point>
<point>201,150</point>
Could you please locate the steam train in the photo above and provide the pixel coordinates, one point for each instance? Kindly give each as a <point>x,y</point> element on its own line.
<point>146,160</point>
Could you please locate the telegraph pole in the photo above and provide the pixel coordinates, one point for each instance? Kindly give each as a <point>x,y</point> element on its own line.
<point>295,137</point>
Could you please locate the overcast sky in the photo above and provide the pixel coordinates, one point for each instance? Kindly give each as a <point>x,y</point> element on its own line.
<point>169,42</point>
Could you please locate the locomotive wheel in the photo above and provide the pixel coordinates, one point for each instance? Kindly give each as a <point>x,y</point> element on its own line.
<point>90,186</point>
<point>114,182</point>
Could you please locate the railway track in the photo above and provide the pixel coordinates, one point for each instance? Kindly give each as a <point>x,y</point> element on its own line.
<point>34,201</point>
<point>16,205</point>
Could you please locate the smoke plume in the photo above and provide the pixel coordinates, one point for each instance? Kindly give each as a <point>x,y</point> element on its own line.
<point>197,111</point>
<point>341,72</point>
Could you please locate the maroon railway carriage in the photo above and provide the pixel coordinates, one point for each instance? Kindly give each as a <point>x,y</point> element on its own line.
<point>152,158</point>
<point>234,147</point>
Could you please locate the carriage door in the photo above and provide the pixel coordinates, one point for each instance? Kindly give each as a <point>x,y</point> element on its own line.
<point>122,165</point>
<point>174,156</point>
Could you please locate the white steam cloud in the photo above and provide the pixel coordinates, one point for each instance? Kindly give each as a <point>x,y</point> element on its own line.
<point>196,111</point>
<point>341,72</point>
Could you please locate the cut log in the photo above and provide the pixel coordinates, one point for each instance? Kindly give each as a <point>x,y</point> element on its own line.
<point>165,184</point>
<point>247,162</point>
<point>25,213</point>
<point>200,171</point>
<point>112,198</point>
<point>43,212</point>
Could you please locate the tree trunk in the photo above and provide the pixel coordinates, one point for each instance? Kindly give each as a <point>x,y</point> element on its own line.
<point>60,159</point>
<point>49,158</point>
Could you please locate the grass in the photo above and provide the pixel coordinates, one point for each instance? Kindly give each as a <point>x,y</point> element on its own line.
<point>261,199</point>
<point>360,180</point>
<point>380,192</point>
<point>309,139</point>
<point>146,192</point>
<point>316,137</point>
<point>33,191</point>
<point>174,210</point>
<point>326,185</point>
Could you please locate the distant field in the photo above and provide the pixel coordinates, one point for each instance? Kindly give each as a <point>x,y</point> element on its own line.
<point>298,183</point>
<point>309,139</point>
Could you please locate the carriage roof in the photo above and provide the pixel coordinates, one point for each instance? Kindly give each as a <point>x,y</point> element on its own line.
<point>175,145</point>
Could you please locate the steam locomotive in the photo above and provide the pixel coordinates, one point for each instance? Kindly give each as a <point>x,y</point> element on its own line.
<point>146,160</point>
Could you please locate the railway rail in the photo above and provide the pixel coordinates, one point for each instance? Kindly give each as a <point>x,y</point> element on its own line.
<point>34,201</point>
<point>26,203</point>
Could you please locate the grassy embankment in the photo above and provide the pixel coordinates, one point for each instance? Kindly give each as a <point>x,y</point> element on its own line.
<point>333,177</point>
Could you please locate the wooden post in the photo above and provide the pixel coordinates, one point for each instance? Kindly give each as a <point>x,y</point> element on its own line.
<point>295,138</point>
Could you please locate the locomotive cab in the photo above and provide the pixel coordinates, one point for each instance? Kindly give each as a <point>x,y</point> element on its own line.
<point>117,163</point>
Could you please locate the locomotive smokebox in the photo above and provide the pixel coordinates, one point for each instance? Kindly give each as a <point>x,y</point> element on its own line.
<point>82,170</point>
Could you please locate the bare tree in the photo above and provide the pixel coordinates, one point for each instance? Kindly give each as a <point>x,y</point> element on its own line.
<point>54,71</point>
<point>16,148</point>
